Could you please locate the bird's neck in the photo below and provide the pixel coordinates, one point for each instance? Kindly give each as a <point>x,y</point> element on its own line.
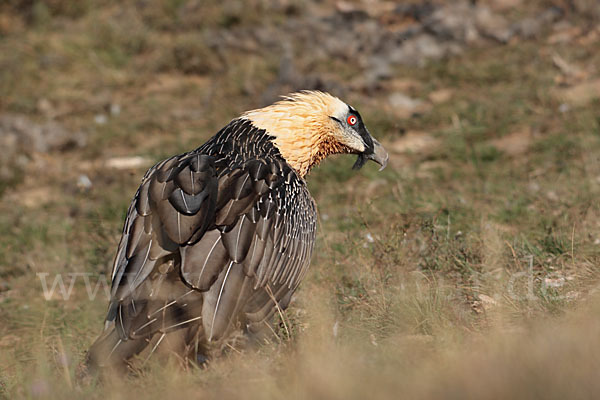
<point>305,152</point>
<point>302,143</point>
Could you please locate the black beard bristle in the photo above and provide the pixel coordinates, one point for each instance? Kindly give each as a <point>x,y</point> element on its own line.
<point>360,161</point>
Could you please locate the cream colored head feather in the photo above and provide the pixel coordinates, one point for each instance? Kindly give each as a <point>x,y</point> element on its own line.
<point>304,128</point>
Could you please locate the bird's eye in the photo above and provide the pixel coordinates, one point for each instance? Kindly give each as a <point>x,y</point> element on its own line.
<point>352,120</point>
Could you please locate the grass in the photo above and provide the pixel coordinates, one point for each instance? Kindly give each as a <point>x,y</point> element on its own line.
<point>466,269</point>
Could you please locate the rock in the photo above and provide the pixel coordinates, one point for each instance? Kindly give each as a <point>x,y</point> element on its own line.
<point>27,136</point>
<point>417,50</point>
<point>533,187</point>
<point>114,109</point>
<point>20,138</point>
<point>379,69</point>
<point>453,22</point>
<point>440,96</point>
<point>590,38</point>
<point>502,5</point>
<point>515,143</point>
<point>413,142</point>
<point>579,95</point>
<point>349,9</point>
<point>84,183</point>
<point>381,8</point>
<point>427,47</point>
<point>564,33</point>
<point>528,28</point>
<point>404,85</point>
<point>45,107</point>
<point>487,301</point>
<point>417,11</point>
<point>375,35</point>
<point>100,119</point>
<point>563,108</point>
<point>492,25</point>
<point>571,73</point>
<point>404,106</point>
<point>466,23</point>
<point>34,197</point>
<point>531,27</point>
<point>127,162</point>
<point>590,8</point>
<point>552,196</point>
<point>554,282</point>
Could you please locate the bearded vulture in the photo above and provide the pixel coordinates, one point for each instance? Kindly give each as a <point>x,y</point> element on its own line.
<point>216,239</point>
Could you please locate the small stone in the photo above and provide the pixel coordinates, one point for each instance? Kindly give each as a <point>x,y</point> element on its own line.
<point>554,282</point>
<point>100,119</point>
<point>487,302</point>
<point>414,142</point>
<point>44,106</point>
<point>83,182</point>
<point>533,187</point>
<point>503,5</point>
<point>454,22</point>
<point>441,96</point>
<point>127,162</point>
<point>515,143</point>
<point>373,340</point>
<point>336,326</point>
<point>552,196</point>
<point>572,295</point>
<point>405,106</point>
<point>531,27</point>
<point>492,25</point>
<point>115,109</point>
<point>581,94</point>
<point>401,100</point>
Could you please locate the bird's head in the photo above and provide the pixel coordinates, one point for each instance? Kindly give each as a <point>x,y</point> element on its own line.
<point>308,126</point>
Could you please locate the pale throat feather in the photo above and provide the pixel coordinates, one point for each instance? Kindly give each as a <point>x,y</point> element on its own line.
<point>302,127</point>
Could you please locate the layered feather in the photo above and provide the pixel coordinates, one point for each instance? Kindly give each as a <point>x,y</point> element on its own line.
<point>213,239</point>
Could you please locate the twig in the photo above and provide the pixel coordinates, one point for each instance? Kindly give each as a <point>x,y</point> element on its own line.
<point>514,255</point>
<point>573,245</point>
<point>63,361</point>
<point>270,293</point>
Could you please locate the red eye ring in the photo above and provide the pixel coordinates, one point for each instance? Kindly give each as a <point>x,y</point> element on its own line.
<point>352,120</point>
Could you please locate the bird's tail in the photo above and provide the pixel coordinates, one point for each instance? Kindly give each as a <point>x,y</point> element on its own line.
<point>175,333</point>
<point>110,351</point>
<point>161,316</point>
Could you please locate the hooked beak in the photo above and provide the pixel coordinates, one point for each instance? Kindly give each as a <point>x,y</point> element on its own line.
<point>379,155</point>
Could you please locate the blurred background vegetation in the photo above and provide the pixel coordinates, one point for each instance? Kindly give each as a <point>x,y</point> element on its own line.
<point>467,269</point>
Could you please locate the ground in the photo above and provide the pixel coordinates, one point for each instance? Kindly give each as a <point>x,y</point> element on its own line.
<point>466,269</point>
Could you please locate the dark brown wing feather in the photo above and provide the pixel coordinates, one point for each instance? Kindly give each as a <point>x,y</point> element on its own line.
<point>236,222</point>
<point>175,202</point>
<point>268,245</point>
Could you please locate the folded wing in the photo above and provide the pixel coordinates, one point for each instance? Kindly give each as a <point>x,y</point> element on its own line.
<point>239,238</point>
